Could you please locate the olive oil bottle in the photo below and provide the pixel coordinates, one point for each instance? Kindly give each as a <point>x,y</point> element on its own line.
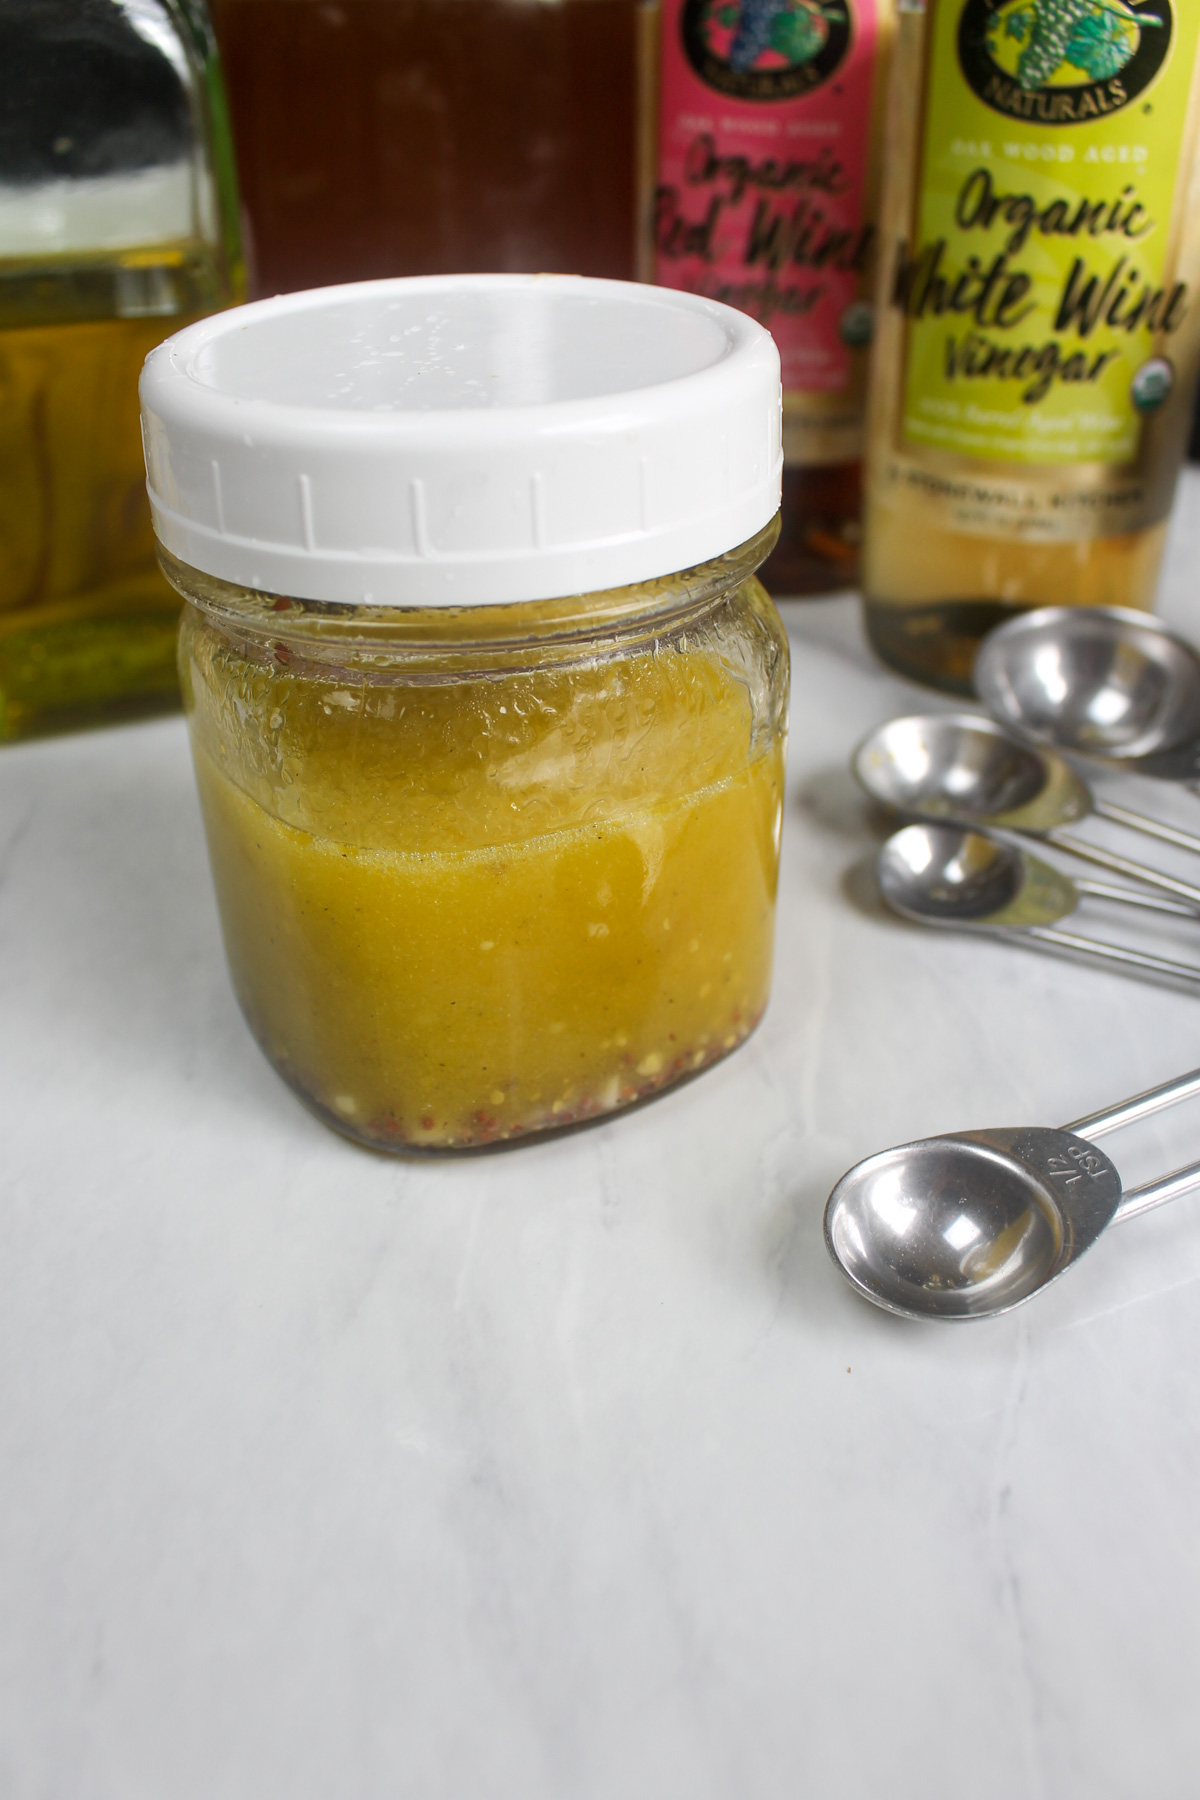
<point>117,225</point>
<point>1038,329</point>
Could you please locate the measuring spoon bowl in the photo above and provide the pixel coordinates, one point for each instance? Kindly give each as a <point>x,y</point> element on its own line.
<point>949,875</point>
<point>966,880</point>
<point>1103,682</point>
<point>963,767</point>
<point>969,1225</point>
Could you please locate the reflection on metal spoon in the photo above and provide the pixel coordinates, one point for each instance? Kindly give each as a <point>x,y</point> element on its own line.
<point>1097,681</point>
<point>958,766</point>
<point>969,1225</point>
<point>946,875</point>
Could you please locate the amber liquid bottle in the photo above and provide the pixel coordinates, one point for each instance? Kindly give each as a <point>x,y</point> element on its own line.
<point>1037,332</point>
<point>770,117</point>
<point>423,137</point>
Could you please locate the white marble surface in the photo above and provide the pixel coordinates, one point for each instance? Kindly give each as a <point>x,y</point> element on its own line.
<point>572,1473</point>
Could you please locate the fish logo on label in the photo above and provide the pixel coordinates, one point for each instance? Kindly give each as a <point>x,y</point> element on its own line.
<point>1062,62</point>
<point>766,49</point>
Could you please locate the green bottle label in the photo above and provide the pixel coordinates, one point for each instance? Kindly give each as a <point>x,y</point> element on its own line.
<point>1039,290</point>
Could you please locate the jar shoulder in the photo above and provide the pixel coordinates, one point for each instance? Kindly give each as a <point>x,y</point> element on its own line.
<point>381,749</point>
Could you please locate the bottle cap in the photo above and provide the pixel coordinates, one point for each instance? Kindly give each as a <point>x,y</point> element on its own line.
<point>458,440</point>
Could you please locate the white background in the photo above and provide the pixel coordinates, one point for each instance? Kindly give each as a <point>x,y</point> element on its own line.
<point>574,1472</point>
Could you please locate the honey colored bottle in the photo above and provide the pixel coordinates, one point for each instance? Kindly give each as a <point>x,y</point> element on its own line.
<point>1038,332</point>
<point>770,115</point>
<point>426,137</point>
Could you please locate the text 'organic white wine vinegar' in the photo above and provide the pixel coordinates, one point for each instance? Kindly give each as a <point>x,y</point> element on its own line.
<point>1038,329</point>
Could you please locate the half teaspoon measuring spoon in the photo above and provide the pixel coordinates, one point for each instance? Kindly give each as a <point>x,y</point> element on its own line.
<point>963,768</point>
<point>1098,681</point>
<point>967,880</point>
<point>970,1225</point>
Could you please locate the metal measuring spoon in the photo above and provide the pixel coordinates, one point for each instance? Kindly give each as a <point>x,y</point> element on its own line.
<point>961,767</point>
<point>947,875</point>
<point>1097,681</point>
<point>969,1225</point>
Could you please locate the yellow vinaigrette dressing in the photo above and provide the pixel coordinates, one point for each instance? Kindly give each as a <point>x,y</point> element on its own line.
<point>459,913</point>
<point>487,705</point>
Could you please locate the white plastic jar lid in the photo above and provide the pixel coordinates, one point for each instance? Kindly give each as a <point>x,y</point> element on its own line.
<point>455,440</point>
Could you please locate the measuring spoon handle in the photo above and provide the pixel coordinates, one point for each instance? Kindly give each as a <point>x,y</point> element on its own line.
<point>1103,890</point>
<point>1121,865</point>
<point>1157,1193</point>
<point>1155,828</point>
<point>1125,1112</point>
<point>1136,959</point>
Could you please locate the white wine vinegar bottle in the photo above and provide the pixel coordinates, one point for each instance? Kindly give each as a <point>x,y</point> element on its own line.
<point>1038,330</point>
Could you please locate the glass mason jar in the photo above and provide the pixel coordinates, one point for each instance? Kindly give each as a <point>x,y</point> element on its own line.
<point>118,223</point>
<point>493,867</point>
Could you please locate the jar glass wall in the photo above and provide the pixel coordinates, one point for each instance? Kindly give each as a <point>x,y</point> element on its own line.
<point>490,871</point>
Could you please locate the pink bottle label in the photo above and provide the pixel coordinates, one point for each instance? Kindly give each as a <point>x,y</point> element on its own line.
<point>765,116</point>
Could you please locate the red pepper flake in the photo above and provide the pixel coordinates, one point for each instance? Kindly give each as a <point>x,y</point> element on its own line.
<point>282,653</point>
<point>281,606</point>
<point>427,1123</point>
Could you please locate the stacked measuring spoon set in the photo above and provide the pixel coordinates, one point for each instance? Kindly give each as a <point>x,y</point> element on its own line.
<point>1106,685</point>
<point>969,1225</point>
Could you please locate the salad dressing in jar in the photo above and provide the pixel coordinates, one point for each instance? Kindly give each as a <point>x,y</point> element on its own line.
<point>487,705</point>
